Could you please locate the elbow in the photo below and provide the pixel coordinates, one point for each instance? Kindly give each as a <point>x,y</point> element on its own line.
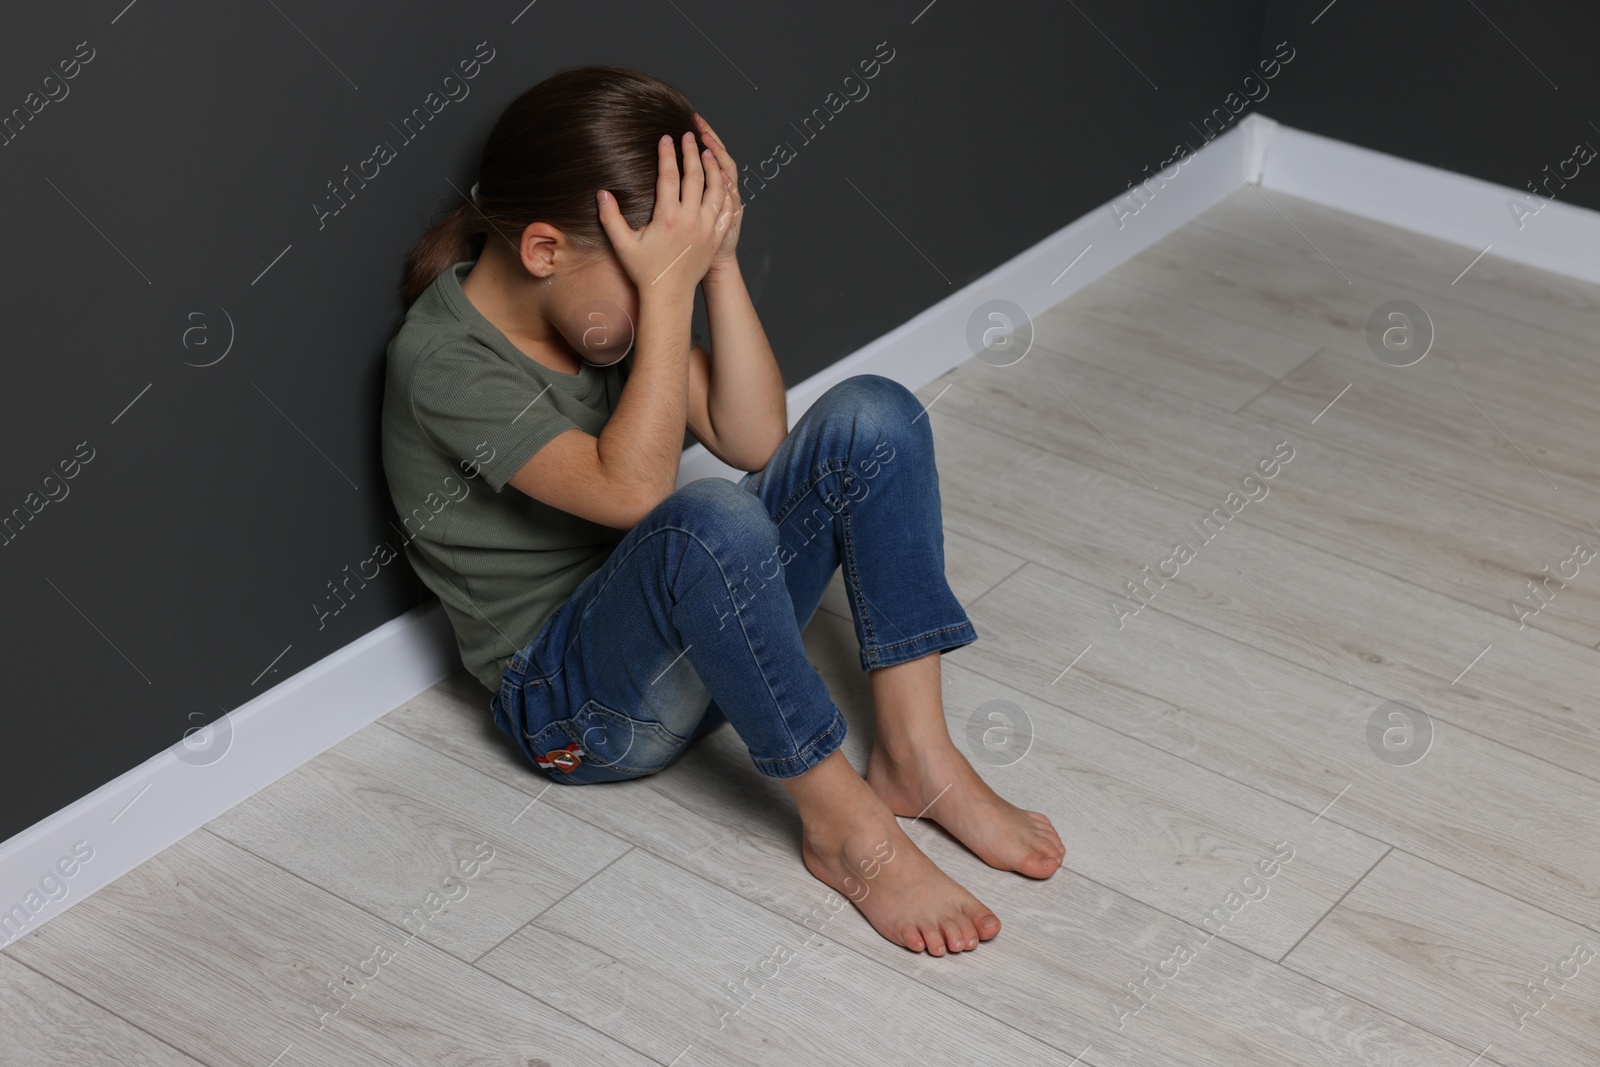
<point>644,502</point>
<point>759,459</point>
<point>756,457</point>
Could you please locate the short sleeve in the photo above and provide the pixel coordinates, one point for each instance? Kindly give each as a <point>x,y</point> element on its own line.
<point>490,416</point>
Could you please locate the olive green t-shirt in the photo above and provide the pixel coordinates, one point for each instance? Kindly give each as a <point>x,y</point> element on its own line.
<point>463,410</point>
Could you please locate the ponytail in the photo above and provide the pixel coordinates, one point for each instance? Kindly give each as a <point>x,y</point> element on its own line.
<point>451,240</point>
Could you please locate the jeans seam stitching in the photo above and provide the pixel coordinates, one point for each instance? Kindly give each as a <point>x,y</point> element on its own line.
<point>818,473</point>
<point>849,554</point>
<point>923,637</point>
<point>801,754</point>
<point>646,723</point>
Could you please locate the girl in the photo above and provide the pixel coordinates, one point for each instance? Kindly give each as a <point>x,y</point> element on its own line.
<point>547,353</point>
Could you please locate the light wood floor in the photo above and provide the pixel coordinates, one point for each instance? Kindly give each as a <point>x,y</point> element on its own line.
<point>1431,911</point>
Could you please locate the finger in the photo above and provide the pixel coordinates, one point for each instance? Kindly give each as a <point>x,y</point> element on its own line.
<point>716,193</point>
<point>694,174</point>
<point>717,181</point>
<point>724,159</point>
<point>725,162</point>
<point>726,215</point>
<point>666,176</point>
<point>731,180</point>
<point>704,127</point>
<point>611,219</point>
<point>706,132</point>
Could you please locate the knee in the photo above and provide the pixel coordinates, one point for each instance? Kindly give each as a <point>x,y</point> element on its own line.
<point>722,507</point>
<point>882,416</point>
<point>882,399</point>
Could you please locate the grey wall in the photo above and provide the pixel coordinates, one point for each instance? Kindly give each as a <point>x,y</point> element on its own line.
<point>1499,90</point>
<point>189,327</point>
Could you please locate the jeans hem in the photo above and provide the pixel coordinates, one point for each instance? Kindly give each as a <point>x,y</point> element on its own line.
<point>945,639</point>
<point>813,754</point>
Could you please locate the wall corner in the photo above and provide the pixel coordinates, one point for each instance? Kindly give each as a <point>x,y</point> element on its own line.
<point>1258,134</point>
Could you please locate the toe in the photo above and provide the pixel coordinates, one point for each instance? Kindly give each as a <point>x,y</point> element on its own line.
<point>1046,826</point>
<point>1039,864</point>
<point>934,939</point>
<point>1052,850</point>
<point>955,940</point>
<point>911,937</point>
<point>969,932</point>
<point>985,921</point>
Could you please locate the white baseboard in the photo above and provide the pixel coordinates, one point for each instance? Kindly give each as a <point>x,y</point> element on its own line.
<point>1442,204</point>
<point>140,813</point>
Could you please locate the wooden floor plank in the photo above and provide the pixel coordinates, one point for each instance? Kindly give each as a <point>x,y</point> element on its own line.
<point>1437,948</point>
<point>1531,690</point>
<point>1512,292</point>
<point>689,972</point>
<point>1300,736</point>
<point>382,822</point>
<point>233,960</point>
<point>1268,276</point>
<point>1461,543</point>
<point>43,1022</point>
<point>1427,422</point>
<point>1193,351</point>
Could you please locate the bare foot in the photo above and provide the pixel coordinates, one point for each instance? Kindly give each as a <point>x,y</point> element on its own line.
<point>859,850</point>
<point>937,783</point>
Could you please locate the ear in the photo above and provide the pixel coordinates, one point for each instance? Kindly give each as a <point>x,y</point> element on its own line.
<point>540,246</point>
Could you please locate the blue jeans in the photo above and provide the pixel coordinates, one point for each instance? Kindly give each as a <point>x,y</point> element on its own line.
<point>695,617</point>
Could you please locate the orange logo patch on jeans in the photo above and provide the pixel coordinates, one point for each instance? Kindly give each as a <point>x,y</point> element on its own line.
<point>564,760</point>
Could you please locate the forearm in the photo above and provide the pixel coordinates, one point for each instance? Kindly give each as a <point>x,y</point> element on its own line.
<point>642,441</point>
<point>745,399</point>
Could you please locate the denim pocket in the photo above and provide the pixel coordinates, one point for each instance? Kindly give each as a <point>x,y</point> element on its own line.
<point>620,741</point>
<point>605,745</point>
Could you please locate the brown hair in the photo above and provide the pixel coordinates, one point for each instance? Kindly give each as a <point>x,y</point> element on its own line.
<point>580,130</point>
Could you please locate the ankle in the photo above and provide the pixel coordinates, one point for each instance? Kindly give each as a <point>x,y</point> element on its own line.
<point>901,755</point>
<point>832,799</point>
